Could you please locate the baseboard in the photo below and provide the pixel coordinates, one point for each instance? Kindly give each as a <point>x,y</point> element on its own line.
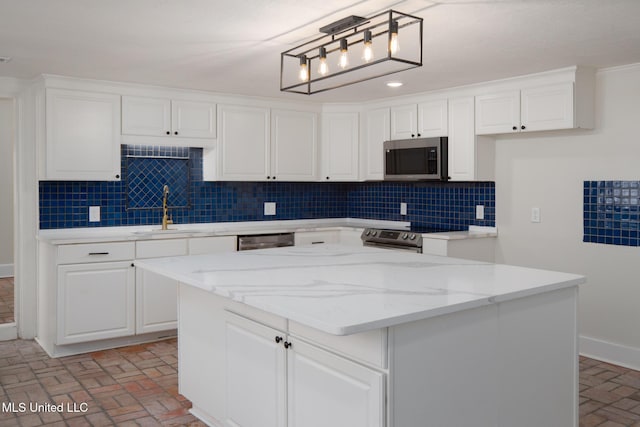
<point>617,354</point>
<point>6,270</point>
<point>8,331</point>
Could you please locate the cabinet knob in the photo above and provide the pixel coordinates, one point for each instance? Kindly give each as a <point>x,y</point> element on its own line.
<point>523,127</point>
<point>175,133</point>
<point>515,128</point>
<point>133,265</point>
<point>418,135</point>
<point>168,133</point>
<point>327,177</point>
<point>268,177</point>
<point>413,136</point>
<point>287,344</point>
<point>273,177</point>
<point>278,339</point>
<point>117,176</point>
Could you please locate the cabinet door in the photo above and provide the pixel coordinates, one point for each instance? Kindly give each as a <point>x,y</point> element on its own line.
<point>156,302</point>
<point>95,301</point>
<point>316,237</point>
<point>462,140</point>
<point>340,146</point>
<point>404,122</point>
<point>243,143</point>
<point>294,146</point>
<point>433,119</point>
<point>547,107</point>
<point>377,127</point>
<point>146,116</point>
<point>328,390</point>
<point>498,113</point>
<point>83,136</point>
<point>191,119</point>
<point>256,372</point>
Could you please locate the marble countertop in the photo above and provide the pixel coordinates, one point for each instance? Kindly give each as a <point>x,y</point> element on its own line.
<point>148,232</point>
<point>344,290</point>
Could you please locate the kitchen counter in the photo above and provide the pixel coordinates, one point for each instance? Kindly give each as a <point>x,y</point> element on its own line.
<point>359,336</point>
<point>147,232</point>
<point>343,290</point>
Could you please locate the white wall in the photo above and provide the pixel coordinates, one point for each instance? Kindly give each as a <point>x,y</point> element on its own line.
<point>547,170</point>
<point>6,186</point>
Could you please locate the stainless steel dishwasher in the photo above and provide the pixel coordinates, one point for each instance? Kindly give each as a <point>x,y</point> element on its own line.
<point>264,241</point>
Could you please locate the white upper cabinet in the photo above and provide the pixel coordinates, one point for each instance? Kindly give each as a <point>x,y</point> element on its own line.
<point>424,120</point>
<point>377,131</point>
<point>340,144</point>
<point>547,107</point>
<point>462,139</point>
<point>82,136</point>
<point>294,145</point>
<point>243,143</point>
<point>172,119</point>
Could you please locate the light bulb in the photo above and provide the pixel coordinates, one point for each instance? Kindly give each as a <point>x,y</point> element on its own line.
<point>394,44</point>
<point>323,68</point>
<point>304,70</point>
<point>344,57</point>
<point>367,53</point>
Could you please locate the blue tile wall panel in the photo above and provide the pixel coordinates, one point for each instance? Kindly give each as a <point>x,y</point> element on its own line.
<point>441,206</point>
<point>612,212</point>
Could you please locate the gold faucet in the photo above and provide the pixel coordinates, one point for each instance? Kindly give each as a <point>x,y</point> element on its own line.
<point>165,209</point>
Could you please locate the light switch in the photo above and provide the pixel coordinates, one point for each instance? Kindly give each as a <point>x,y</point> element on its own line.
<point>535,214</point>
<point>269,208</point>
<point>479,211</point>
<point>403,208</point>
<point>94,213</point>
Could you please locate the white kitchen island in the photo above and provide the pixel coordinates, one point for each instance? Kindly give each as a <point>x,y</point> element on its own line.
<point>331,335</point>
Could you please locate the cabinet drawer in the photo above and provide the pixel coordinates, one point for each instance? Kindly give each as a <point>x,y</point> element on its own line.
<point>161,248</point>
<point>369,347</point>
<point>317,237</point>
<point>211,245</point>
<point>95,252</point>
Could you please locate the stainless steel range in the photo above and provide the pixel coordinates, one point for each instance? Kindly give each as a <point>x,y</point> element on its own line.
<point>392,239</point>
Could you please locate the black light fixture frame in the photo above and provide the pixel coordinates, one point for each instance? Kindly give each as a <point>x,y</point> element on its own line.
<point>351,29</point>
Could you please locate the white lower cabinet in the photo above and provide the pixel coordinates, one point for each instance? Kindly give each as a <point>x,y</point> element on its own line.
<point>156,302</point>
<point>276,380</point>
<point>95,301</point>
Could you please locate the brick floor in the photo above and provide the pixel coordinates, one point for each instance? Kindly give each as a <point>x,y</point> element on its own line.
<point>6,300</point>
<point>129,386</point>
<point>137,386</point>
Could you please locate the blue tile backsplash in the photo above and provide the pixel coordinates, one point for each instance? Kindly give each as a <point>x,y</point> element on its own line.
<point>439,206</point>
<point>612,212</point>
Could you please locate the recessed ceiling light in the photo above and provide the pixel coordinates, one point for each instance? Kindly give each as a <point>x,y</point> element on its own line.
<point>394,84</point>
<point>4,59</point>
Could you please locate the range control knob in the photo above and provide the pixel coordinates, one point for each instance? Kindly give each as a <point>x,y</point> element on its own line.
<point>374,233</point>
<point>412,237</point>
<point>367,233</point>
<point>404,236</point>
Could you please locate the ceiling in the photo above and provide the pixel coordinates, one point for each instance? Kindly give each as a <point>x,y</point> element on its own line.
<point>233,46</point>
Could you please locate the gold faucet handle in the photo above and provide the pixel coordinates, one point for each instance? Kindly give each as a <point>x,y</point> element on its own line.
<point>169,221</point>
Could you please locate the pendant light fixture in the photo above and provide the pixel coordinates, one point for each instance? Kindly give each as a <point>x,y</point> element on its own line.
<point>367,52</point>
<point>323,68</point>
<point>362,48</point>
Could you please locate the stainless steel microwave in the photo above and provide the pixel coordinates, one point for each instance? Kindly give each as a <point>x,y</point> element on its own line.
<point>416,159</point>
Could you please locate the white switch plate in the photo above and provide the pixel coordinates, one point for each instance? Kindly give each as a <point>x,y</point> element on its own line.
<point>403,208</point>
<point>479,211</point>
<point>94,213</point>
<point>269,208</point>
<point>535,214</point>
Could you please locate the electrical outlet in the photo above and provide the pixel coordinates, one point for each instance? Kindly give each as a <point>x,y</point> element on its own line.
<point>403,208</point>
<point>94,213</point>
<point>479,211</point>
<point>269,208</point>
<point>535,214</point>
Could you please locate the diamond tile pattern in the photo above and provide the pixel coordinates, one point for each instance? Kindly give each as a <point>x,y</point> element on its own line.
<point>147,176</point>
<point>612,212</point>
<point>434,205</point>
